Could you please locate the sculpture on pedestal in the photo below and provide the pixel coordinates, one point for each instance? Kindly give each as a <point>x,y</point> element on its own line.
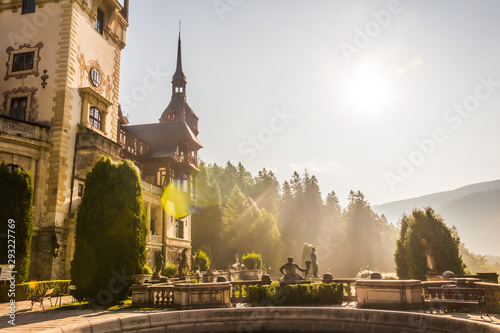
<point>290,274</point>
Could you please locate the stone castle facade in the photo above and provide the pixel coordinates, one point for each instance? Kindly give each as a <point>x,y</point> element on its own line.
<point>59,113</point>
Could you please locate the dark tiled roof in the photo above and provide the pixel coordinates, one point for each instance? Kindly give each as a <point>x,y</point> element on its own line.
<point>178,104</point>
<point>165,137</point>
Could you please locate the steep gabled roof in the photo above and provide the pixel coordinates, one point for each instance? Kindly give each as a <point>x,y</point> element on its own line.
<point>164,138</point>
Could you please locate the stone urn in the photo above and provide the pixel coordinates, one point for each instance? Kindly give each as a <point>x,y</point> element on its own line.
<point>251,274</point>
<point>141,278</point>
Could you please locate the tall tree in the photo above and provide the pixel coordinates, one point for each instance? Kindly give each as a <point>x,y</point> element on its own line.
<point>426,245</point>
<point>333,234</point>
<point>265,238</point>
<point>244,180</point>
<point>364,243</point>
<point>226,180</point>
<point>266,191</point>
<point>312,209</point>
<point>207,218</point>
<point>110,242</point>
<point>239,214</point>
<point>291,215</point>
<point>16,220</point>
<point>286,204</point>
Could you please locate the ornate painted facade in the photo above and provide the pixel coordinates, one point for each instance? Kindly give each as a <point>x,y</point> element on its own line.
<point>59,112</point>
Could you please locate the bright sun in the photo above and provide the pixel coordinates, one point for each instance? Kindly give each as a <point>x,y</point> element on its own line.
<point>367,89</point>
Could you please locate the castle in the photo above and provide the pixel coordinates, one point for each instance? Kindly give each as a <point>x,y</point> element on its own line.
<point>60,112</point>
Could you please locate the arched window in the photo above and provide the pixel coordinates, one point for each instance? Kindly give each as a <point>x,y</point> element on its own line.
<point>172,116</point>
<point>13,167</point>
<point>95,118</point>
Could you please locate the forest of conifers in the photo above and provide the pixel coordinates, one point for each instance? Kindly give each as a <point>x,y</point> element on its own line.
<point>237,213</point>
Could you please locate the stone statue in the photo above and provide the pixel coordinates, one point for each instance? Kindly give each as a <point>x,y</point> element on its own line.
<point>183,262</point>
<point>159,263</point>
<point>290,274</point>
<point>314,262</point>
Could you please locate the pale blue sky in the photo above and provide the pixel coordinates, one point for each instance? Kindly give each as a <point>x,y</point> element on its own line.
<point>355,115</point>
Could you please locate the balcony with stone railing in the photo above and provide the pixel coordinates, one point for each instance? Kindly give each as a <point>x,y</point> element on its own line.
<point>24,129</point>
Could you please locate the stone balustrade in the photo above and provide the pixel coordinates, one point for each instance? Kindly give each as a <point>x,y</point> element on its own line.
<point>349,290</point>
<point>239,290</point>
<point>491,296</point>
<point>158,295</point>
<point>385,294</point>
<point>24,129</point>
<point>213,275</point>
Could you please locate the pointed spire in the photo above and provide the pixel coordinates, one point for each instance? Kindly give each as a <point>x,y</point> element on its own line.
<point>179,75</point>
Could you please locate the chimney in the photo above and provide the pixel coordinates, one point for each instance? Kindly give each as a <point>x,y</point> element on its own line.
<point>125,9</point>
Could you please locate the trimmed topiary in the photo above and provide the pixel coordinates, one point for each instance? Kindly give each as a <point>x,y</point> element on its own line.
<point>201,261</point>
<point>296,294</point>
<point>170,270</point>
<point>110,244</point>
<point>16,216</point>
<point>250,259</point>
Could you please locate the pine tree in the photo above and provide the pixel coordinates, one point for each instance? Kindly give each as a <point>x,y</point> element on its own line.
<point>16,220</point>
<point>265,238</point>
<point>239,214</point>
<point>312,209</point>
<point>364,242</point>
<point>207,220</point>
<point>110,243</point>
<point>266,191</point>
<point>244,180</point>
<point>226,181</point>
<point>333,230</point>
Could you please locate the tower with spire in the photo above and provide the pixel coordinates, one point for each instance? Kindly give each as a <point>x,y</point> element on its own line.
<point>178,108</point>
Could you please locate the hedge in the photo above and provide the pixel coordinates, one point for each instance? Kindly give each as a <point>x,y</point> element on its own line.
<point>296,294</point>
<point>25,291</point>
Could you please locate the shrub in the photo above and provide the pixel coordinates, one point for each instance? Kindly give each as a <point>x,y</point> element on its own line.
<point>364,274</point>
<point>25,291</point>
<point>16,193</point>
<point>296,294</point>
<point>201,261</point>
<point>250,259</point>
<point>110,242</point>
<point>170,270</point>
<point>147,270</point>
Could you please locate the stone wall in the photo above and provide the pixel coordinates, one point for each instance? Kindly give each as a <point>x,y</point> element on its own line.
<point>300,319</point>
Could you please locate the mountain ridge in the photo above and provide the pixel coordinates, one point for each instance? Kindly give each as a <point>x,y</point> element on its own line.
<point>473,209</point>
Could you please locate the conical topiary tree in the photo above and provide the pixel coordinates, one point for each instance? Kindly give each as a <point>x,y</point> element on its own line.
<point>110,243</point>
<point>16,220</point>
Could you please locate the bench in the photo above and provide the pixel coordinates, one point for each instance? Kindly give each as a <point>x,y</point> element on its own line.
<point>452,298</point>
<point>40,299</point>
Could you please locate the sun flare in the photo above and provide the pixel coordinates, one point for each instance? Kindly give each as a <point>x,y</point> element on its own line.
<point>368,89</point>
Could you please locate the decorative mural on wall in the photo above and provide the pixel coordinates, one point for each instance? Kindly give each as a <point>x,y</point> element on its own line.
<point>34,60</point>
<point>91,74</point>
<point>33,107</point>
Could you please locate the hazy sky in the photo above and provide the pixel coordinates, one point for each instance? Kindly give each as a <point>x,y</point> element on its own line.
<point>394,98</point>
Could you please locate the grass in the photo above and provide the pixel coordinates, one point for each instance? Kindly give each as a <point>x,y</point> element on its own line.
<point>125,305</point>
